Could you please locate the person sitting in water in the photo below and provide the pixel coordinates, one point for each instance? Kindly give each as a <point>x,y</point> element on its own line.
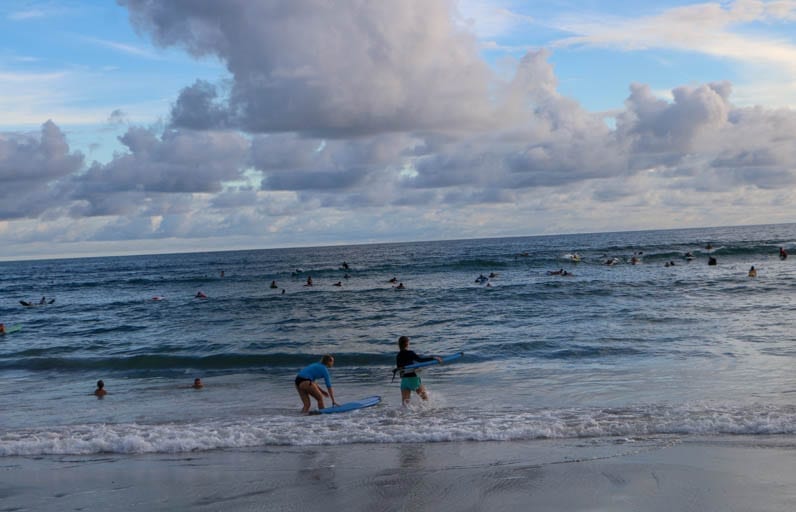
<point>309,281</point>
<point>306,386</point>
<point>273,284</point>
<point>345,266</point>
<point>393,280</point>
<point>43,300</point>
<point>400,286</point>
<point>200,295</point>
<point>492,275</point>
<point>752,272</point>
<point>100,391</point>
<point>712,261</point>
<point>338,283</point>
<point>783,254</point>
<point>197,383</point>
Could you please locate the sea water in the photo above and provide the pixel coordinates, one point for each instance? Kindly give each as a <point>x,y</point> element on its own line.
<point>609,353</point>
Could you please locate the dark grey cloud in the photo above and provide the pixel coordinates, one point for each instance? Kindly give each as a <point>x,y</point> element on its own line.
<point>29,165</point>
<point>199,108</point>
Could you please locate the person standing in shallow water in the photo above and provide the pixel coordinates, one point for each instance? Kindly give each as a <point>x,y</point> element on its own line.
<point>410,381</point>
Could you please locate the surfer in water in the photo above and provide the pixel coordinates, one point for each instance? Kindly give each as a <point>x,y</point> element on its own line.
<point>100,391</point>
<point>197,383</point>
<point>410,381</point>
<point>306,387</point>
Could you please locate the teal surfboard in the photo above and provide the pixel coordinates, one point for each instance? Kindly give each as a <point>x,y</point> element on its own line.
<point>352,406</point>
<point>446,359</point>
<point>13,328</point>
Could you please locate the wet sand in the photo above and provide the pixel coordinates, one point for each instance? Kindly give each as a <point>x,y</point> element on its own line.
<point>700,475</point>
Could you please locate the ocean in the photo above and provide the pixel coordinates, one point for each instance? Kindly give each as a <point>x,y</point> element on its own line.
<point>612,355</point>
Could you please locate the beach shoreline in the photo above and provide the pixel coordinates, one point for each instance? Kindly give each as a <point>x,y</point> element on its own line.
<point>717,473</point>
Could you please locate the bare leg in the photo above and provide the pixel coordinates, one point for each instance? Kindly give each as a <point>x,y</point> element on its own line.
<point>406,395</point>
<point>310,389</point>
<point>422,392</point>
<point>305,399</point>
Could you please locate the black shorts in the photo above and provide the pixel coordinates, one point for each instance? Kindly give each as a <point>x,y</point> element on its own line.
<point>299,380</point>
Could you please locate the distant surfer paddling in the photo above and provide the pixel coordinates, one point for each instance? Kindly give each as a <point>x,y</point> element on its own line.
<point>306,386</point>
<point>410,381</point>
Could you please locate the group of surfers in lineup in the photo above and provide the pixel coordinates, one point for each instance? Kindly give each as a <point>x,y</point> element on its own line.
<point>482,279</point>
<point>410,381</point>
<point>636,259</point>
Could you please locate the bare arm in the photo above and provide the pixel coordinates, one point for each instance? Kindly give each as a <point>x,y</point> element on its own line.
<point>330,394</point>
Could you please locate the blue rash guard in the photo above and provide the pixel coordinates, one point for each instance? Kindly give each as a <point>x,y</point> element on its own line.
<point>316,371</point>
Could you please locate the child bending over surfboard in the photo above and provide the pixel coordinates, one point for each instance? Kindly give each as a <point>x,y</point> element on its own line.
<point>306,387</point>
<point>410,381</point>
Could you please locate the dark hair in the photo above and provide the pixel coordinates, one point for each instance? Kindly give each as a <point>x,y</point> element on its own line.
<point>326,359</point>
<point>403,342</point>
<point>100,384</point>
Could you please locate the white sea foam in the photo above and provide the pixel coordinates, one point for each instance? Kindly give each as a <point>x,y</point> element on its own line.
<point>388,425</point>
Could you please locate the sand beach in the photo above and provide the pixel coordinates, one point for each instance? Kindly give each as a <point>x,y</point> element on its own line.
<point>697,474</point>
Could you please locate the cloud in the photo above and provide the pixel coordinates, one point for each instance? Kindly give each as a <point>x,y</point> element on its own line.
<point>29,164</point>
<point>331,69</point>
<point>27,15</point>
<point>708,28</point>
<point>156,168</point>
<point>122,47</point>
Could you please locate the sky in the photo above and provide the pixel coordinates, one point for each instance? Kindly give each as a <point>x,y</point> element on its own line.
<point>146,126</point>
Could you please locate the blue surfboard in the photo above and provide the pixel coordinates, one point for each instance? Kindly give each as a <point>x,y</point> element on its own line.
<point>351,406</point>
<point>446,359</point>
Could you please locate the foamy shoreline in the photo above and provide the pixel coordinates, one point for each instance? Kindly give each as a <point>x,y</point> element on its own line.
<point>721,473</point>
